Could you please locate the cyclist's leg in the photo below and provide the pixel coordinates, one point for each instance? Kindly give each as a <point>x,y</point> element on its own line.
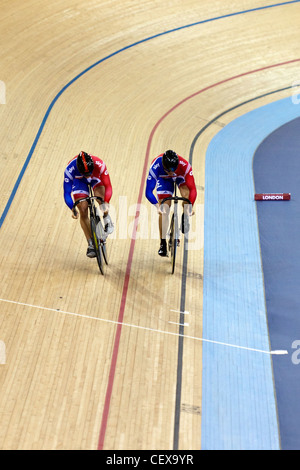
<point>184,191</point>
<point>79,191</point>
<point>99,191</point>
<point>163,219</point>
<point>187,209</point>
<point>85,224</point>
<point>165,188</point>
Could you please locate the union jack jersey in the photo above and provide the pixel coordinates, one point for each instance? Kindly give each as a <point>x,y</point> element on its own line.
<point>165,183</point>
<point>76,184</point>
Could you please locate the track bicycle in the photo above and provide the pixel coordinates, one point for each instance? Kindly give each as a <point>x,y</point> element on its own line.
<point>98,233</point>
<point>174,229</point>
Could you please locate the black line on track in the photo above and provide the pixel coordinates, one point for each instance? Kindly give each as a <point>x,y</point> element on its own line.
<point>180,346</point>
<point>184,271</point>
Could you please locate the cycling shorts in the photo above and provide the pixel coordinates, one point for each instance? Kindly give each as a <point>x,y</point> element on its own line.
<point>165,186</point>
<point>80,188</point>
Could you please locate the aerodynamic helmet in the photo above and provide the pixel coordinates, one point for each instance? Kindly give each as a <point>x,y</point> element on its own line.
<point>85,164</point>
<point>170,160</point>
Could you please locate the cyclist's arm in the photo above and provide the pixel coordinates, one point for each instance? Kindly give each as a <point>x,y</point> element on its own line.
<point>190,182</point>
<point>68,192</point>
<point>150,186</point>
<point>108,187</point>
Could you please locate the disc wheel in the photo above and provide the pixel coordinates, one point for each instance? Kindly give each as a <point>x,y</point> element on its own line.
<point>97,246</point>
<point>102,236</point>
<point>172,244</point>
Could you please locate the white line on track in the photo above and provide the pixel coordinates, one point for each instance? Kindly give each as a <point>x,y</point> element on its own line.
<point>57,310</point>
<point>180,324</point>
<point>179,311</point>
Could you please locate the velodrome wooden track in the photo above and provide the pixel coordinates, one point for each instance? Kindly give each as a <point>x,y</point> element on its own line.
<point>95,362</point>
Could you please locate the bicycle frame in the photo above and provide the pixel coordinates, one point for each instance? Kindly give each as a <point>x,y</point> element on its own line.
<point>174,225</point>
<point>175,200</point>
<point>97,230</point>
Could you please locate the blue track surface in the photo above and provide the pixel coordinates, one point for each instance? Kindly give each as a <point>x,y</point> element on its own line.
<point>276,168</point>
<point>239,400</point>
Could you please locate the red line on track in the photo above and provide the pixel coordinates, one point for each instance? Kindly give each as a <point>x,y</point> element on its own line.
<point>132,244</point>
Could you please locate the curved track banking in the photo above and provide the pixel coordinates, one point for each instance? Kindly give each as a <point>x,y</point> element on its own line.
<point>242,416</point>
<point>127,276</point>
<point>185,259</point>
<point>209,340</point>
<point>184,276</point>
<point>30,154</point>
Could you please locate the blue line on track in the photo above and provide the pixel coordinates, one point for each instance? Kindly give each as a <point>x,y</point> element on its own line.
<point>32,149</point>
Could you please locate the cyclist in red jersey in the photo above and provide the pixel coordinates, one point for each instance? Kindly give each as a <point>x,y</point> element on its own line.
<point>166,170</point>
<point>83,169</point>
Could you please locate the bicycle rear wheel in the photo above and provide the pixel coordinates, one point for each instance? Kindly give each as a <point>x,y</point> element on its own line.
<point>104,252</point>
<point>97,245</point>
<point>102,238</point>
<point>172,243</point>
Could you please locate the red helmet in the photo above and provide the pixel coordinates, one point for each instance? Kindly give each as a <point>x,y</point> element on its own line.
<point>85,164</point>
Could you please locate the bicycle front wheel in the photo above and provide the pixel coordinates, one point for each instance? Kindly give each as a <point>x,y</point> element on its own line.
<point>97,246</point>
<point>104,252</point>
<point>102,238</point>
<point>172,243</point>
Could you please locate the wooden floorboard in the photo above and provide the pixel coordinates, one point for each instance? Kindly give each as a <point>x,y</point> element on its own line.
<point>90,355</point>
